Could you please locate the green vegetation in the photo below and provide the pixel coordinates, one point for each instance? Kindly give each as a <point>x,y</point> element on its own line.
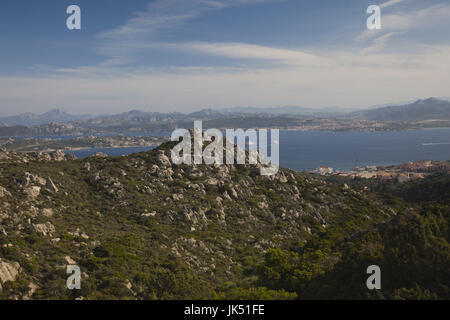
<point>141,228</point>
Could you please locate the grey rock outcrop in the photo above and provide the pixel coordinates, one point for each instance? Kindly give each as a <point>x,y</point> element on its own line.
<point>8,271</point>
<point>31,179</point>
<point>32,192</point>
<point>58,155</point>
<point>44,228</point>
<point>4,192</point>
<point>163,159</point>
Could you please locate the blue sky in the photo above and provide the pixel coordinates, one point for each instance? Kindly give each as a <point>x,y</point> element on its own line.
<point>184,55</point>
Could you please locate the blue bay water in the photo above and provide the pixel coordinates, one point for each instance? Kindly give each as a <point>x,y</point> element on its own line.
<point>341,150</point>
<point>306,150</point>
<point>113,152</point>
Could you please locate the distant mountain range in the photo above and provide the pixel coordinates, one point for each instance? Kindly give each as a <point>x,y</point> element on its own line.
<point>31,119</point>
<point>428,109</point>
<point>286,110</point>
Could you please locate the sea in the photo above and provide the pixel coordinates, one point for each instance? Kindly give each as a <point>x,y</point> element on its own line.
<point>306,150</point>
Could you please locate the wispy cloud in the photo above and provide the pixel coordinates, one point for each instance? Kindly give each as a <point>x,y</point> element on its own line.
<point>121,43</point>
<point>252,51</point>
<point>391,3</point>
<point>355,75</point>
<point>429,17</point>
<point>404,23</point>
<point>380,43</point>
<point>349,79</point>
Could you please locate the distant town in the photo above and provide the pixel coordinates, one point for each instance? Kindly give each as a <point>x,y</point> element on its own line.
<point>422,114</point>
<point>401,173</point>
<point>78,143</point>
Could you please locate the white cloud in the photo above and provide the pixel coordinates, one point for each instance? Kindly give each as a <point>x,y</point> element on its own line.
<point>350,79</point>
<point>380,43</point>
<point>252,51</point>
<point>390,3</point>
<point>349,76</point>
<point>431,17</point>
<point>121,43</point>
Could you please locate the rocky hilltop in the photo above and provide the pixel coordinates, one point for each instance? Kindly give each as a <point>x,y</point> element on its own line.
<point>140,227</point>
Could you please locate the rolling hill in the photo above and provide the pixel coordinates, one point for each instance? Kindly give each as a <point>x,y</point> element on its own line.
<point>32,119</point>
<point>427,109</point>
<point>141,227</point>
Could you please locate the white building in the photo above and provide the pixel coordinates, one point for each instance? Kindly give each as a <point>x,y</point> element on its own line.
<point>324,170</point>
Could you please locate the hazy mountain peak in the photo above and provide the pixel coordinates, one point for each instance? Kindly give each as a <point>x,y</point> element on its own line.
<point>430,100</point>
<point>54,115</point>
<point>422,109</point>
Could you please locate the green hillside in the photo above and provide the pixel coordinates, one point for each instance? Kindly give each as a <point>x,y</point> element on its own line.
<point>140,227</point>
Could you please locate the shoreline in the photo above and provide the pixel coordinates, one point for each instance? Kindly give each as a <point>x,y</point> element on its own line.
<point>84,148</point>
<point>142,134</point>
